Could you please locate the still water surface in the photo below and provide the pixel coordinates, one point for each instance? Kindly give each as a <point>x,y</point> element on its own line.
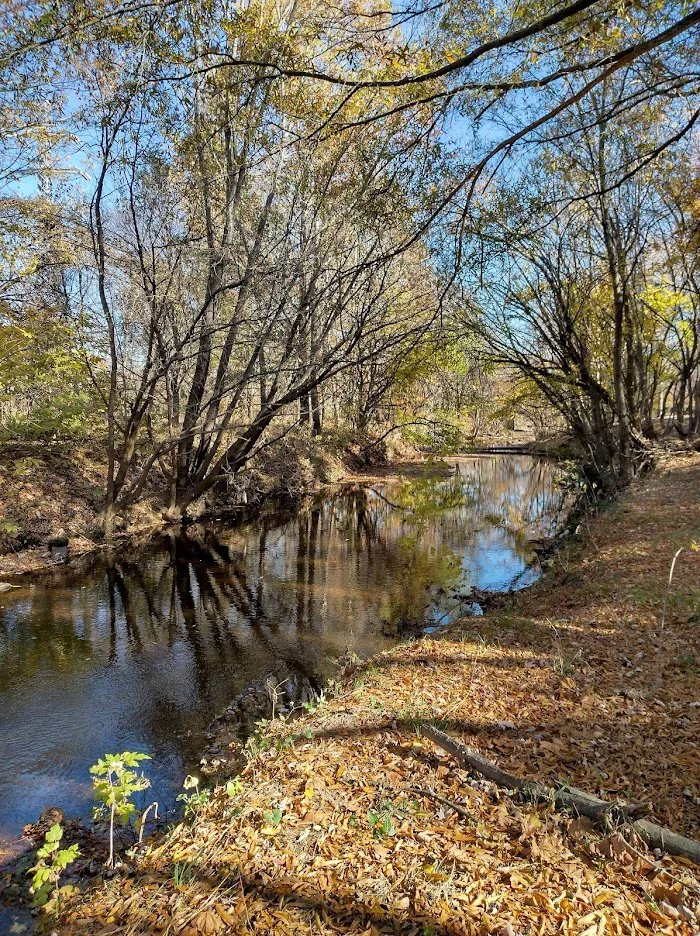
<point>140,649</point>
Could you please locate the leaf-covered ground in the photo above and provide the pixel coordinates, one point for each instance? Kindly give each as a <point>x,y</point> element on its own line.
<point>344,823</point>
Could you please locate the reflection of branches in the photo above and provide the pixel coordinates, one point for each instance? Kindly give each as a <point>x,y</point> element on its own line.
<point>366,523</point>
<point>183,590</point>
<point>116,584</point>
<point>135,573</point>
<point>385,499</point>
<point>222,602</point>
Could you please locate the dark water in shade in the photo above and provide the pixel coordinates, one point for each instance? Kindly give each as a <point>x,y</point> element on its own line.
<point>140,649</point>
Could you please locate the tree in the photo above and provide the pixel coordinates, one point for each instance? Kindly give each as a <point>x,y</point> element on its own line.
<point>239,266</point>
<point>572,275</point>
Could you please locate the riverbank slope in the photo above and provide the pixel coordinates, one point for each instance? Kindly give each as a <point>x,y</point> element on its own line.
<point>344,823</point>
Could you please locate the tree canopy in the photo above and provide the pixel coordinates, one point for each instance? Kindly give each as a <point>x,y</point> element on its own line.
<point>221,221</point>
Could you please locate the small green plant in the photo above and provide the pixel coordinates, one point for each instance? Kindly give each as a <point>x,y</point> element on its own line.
<point>273,817</point>
<point>182,872</point>
<point>256,744</point>
<point>193,801</point>
<point>333,687</point>
<point>414,714</point>
<point>316,702</point>
<point>234,788</point>
<point>47,871</point>
<point>380,822</point>
<point>282,742</point>
<point>565,665</point>
<point>115,782</point>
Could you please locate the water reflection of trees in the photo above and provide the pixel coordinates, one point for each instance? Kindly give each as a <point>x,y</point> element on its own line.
<point>488,509</point>
<point>517,485</point>
<point>278,595</point>
<point>478,487</point>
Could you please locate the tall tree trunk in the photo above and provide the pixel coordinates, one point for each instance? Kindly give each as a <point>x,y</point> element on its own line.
<point>679,405</point>
<point>100,252</point>
<point>316,411</point>
<point>694,426</point>
<point>626,470</point>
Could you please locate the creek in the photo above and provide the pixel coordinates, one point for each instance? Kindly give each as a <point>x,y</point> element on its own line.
<point>140,648</point>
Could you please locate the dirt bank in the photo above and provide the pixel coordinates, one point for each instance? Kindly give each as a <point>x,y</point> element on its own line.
<point>344,823</point>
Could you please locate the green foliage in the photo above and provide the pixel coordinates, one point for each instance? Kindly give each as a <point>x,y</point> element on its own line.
<point>316,702</point>
<point>273,817</point>
<point>286,741</point>
<point>234,788</point>
<point>53,860</point>
<point>45,386</point>
<point>256,743</point>
<point>183,871</point>
<point>380,821</point>
<point>115,781</point>
<point>427,496</point>
<point>448,394</point>
<point>196,800</point>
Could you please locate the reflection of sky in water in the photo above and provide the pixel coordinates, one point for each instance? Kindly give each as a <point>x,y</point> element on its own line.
<point>483,516</point>
<point>141,649</point>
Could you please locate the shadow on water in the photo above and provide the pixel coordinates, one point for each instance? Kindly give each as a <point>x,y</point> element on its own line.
<point>144,647</point>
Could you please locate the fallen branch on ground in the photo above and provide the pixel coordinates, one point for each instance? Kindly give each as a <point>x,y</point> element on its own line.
<point>584,804</point>
<point>460,810</point>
